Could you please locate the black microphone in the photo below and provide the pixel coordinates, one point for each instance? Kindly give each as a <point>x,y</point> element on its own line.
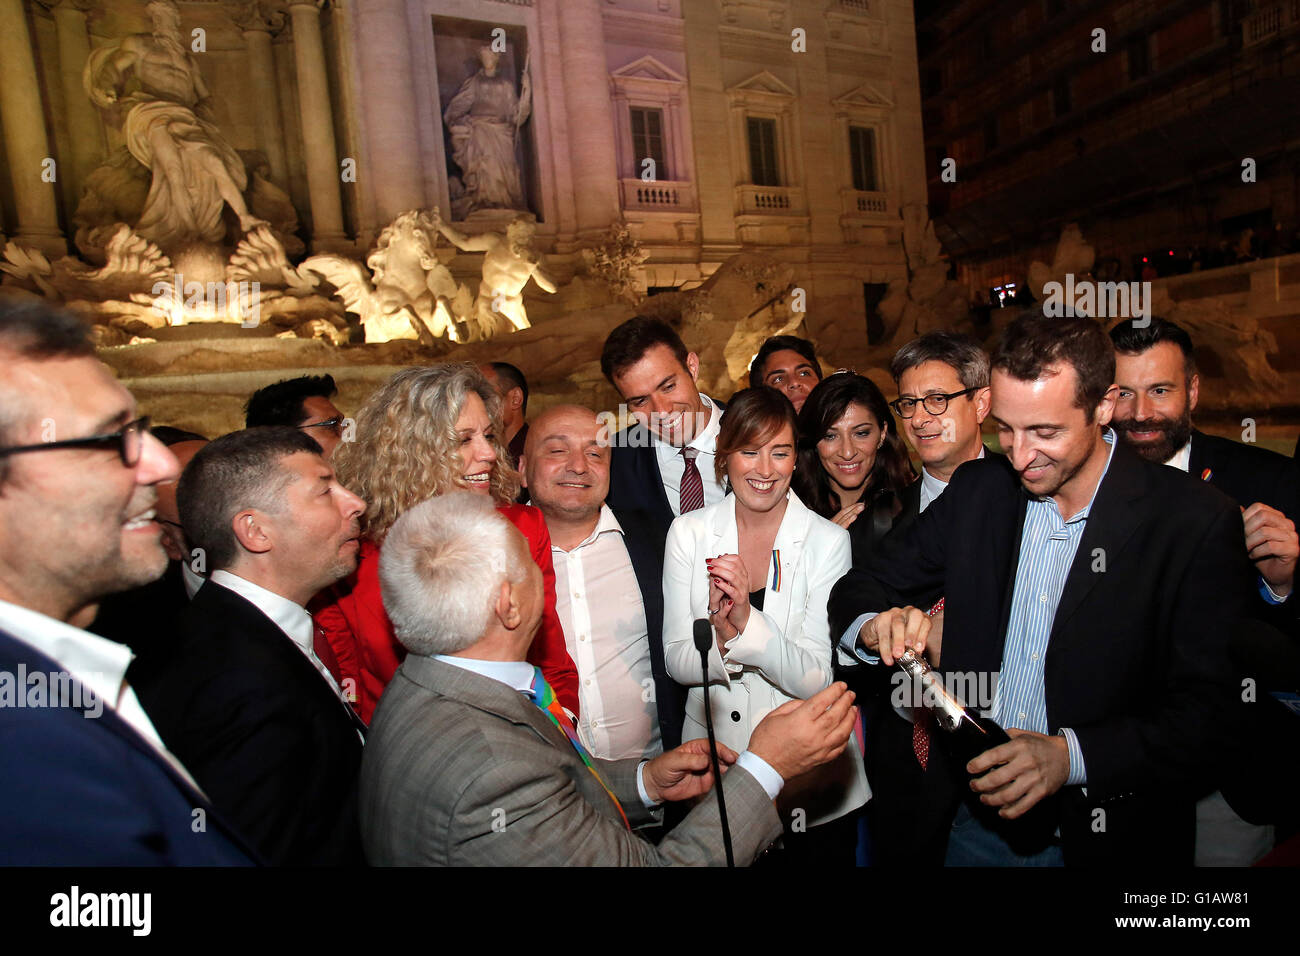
<point>703,640</point>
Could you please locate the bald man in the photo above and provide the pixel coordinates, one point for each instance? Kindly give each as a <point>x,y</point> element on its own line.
<point>608,588</point>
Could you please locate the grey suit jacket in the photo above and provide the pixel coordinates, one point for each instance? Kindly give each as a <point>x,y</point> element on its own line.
<point>462,770</point>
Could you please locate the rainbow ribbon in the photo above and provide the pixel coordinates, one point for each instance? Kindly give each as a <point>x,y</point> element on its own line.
<point>543,695</point>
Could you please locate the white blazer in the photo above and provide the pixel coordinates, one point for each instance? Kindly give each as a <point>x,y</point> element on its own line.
<point>784,652</point>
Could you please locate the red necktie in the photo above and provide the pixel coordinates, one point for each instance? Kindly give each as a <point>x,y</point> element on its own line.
<point>921,725</point>
<point>692,484</point>
<point>324,653</point>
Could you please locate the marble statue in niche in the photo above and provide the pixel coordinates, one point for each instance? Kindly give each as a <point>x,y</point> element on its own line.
<point>169,128</point>
<point>483,119</point>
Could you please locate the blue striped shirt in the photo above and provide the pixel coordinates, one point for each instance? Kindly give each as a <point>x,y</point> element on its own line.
<point>1047,548</point>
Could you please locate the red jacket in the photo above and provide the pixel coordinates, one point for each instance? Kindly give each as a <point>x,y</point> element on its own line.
<point>353,620</point>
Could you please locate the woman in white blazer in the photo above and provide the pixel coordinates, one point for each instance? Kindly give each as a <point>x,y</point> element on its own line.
<point>760,566</point>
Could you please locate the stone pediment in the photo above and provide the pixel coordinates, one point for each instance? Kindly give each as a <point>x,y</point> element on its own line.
<point>648,68</point>
<point>763,82</point>
<point>868,95</point>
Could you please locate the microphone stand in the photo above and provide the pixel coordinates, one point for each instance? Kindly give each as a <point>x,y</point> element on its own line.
<point>703,634</point>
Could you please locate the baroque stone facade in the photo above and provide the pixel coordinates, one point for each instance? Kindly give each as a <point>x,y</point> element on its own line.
<point>696,130</point>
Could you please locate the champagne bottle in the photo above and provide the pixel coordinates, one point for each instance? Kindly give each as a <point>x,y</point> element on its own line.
<point>965,734</point>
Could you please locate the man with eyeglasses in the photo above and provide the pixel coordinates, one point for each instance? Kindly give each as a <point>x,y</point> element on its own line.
<point>303,402</point>
<point>78,477</point>
<point>943,398</point>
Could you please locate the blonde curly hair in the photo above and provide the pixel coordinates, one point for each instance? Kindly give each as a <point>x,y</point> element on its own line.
<point>407,449</point>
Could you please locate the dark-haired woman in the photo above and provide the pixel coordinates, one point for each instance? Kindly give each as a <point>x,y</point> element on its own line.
<point>853,465</point>
<point>760,566</point>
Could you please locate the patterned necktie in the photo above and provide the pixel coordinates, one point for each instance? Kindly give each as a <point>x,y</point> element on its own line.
<point>921,725</point>
<point>544,697</point>
<point>692,484</point>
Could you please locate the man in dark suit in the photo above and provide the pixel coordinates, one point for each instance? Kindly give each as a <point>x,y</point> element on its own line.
<point>1159,387</point>
<point>78,478</point>
<point>146,616</point>
<point>241,695</point>
<point>608,587</point>
<point>662,463</point>
<point>1096,587</point>
<point>470,759</point>
<point>943,399</point>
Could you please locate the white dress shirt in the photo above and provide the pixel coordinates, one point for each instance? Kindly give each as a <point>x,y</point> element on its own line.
<point>1182,459</point>
<point>519,675</point>
<point>599,603</point>
<point>95,662</point>
<point>289,617</point>
<point>672,465</point>
<point>192,580</point>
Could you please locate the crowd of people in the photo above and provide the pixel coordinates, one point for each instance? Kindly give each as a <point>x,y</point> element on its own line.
<point>439,632</point>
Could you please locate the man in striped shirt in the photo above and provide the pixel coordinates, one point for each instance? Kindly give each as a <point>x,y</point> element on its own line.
<point>1096,588</point>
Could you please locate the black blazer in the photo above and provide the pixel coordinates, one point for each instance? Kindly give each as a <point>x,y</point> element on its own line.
<point>646,549</point>
<point>145,617</point>
<point>260,729</point>
<point>1247,474</point>
<point>634,479</point>
<point>1136,664</point>
<point>93,792</point>
<point>1258,786</point>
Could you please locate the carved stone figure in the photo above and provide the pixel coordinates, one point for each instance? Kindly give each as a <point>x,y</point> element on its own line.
<point>509,263</point>
<point>484,119</point>
<point>616,261</point>
<point>169,128</point>
<point>411,294</point>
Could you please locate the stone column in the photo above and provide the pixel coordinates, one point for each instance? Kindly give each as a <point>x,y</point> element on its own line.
<point>590,116</point>
<point>317,115</point>
<point>85,130</point>
<point>26,145</point>
<point>711,114</point>
<point>259,21</point>
<point>393,157</point>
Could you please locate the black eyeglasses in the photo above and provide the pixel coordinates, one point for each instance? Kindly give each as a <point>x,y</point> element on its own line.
<point>129,442</point>
<point>935,403</point>
<point>333,424</point>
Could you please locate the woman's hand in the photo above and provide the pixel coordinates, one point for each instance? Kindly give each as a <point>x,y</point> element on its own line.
<point>719,607</point>
<point>849,515</point>
<point>730,574</point>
